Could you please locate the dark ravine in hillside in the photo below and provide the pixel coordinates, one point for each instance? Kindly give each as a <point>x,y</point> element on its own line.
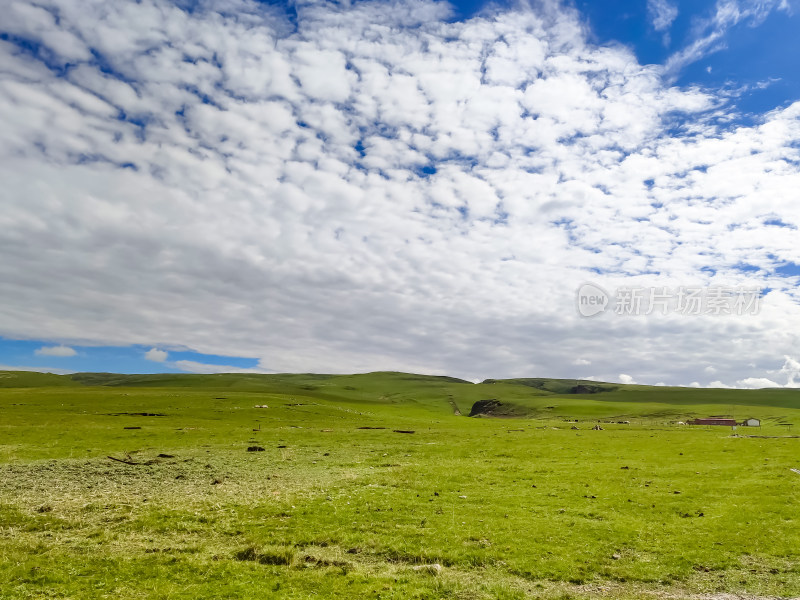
<point>485,408</point>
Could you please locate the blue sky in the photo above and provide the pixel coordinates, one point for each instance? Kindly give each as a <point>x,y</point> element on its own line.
<point>758,49</point>
<point>398,184</point>
<point>112,359</point>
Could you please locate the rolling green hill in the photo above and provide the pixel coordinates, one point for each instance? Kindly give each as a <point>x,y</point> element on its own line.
<point>523,398</point>
<point>31,379</point>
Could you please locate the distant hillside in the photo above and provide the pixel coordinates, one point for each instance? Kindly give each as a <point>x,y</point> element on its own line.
<point>29,379</point>
<point>560,386</point>
<point>253,381</point>
<point>537,398</point>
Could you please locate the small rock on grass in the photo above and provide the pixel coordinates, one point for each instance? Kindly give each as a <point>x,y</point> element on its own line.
<point>434,569</point>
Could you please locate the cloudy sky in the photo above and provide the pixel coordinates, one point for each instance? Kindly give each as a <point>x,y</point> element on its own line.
<point>223,185</point>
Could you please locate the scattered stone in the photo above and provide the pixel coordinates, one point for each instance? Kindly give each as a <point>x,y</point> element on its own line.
<point>434,569</point>
<point>615,556</point>
<point>597,428</point>
<point>127,460</point>
<point>574,427</point>
<point>261,406</point>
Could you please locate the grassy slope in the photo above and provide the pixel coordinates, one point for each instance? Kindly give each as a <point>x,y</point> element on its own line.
<point>27,379</point>
<point>512,508</point>
<point>525,397</point>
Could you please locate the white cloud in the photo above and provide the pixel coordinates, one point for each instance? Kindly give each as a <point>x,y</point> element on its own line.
<point>627,379</point>
<point>662,13</point>
<point>709,370</point>
<point>61,351</point>
<point>757,383</point>
<point>718,384</point>
<point>791,368</point>
<point>215,186</point>
<point>581,362</point>
<point>156,355</point>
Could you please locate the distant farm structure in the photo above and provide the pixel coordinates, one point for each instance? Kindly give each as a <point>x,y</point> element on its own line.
<point>713,421</point>
<point>725,421</point>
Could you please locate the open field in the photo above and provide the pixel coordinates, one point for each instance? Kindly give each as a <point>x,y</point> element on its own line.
<point>345,502</point>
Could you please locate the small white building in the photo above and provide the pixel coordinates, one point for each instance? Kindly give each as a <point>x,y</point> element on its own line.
<point>752,422</point>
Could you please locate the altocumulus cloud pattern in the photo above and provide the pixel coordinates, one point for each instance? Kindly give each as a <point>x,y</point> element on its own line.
<point>347,187</point>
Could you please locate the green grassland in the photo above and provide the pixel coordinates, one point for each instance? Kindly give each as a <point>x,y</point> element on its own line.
<point>362,483</point>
